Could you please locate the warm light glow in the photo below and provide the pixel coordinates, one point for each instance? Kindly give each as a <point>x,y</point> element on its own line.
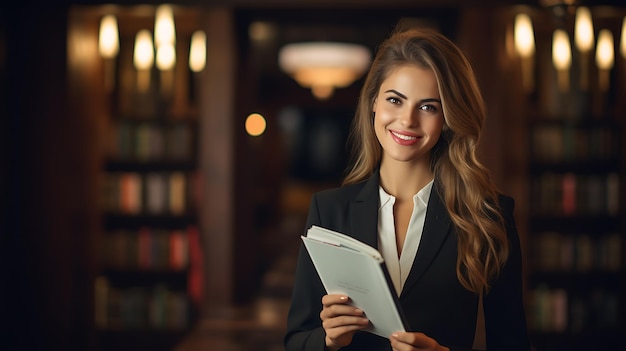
<point>323,80</point>
<point>584,40</point>
<point>109,42</point>
<point>164,29</point>
<point>583,30</point>
<point>561,58</point>
<point>561,51</point>
<point>143,58</point>
<point>255,124</point>
<point>165,57</point>
<point>524,36</point>
<point>261,31</point>
<point>197,51</point>
<point>605,55</point>
<point>144,52</point>
<point>324,66</point>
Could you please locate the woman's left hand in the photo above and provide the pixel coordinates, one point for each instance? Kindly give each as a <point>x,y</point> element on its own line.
<point>405,341</point>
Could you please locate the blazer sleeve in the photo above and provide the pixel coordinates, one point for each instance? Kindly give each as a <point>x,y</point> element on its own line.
<point>505,317</point>
<point>304,326</point>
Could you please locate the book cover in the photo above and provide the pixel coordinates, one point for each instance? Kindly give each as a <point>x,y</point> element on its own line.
<point>156,193</point>
<point>348,266</point>
<point>178,251</point>
<point>177,193</point>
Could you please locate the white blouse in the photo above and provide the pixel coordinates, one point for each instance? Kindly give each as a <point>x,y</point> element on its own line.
<point>399,267</point>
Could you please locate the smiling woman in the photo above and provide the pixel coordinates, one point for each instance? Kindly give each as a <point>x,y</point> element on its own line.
<point>408,116</point>
<point>417,192</point>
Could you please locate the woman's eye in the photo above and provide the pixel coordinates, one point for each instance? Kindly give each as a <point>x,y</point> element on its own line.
<point>429,108</point>
<point>393,100</point>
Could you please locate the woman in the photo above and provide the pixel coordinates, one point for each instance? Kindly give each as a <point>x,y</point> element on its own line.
<point>417,192</point>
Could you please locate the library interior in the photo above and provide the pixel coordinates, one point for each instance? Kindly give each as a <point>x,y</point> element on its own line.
<point>158,160</point>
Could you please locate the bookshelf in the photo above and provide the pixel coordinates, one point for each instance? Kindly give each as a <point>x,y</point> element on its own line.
<point>577,234</point>
<point>149,182</point>
<point>146,269</point>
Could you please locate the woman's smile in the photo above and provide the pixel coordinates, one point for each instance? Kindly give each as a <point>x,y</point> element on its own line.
<point>404,138</point>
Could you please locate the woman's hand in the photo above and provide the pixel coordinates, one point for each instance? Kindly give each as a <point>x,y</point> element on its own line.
<point>403,341</point>
<point>340,320</point>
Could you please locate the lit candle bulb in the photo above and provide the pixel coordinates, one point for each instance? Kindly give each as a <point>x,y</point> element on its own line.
<point>109,47</point>
<point>143,58</point>
<point>525,47</point>
<point>583,38</point>
<point>605,58</point>
<point>165,62</point>
<point>164,29</point>
<point>165,42</point>
<point>197,51</point>
<point>561,57</point>
<point>108,39</point>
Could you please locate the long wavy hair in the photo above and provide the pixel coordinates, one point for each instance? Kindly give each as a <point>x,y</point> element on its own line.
<point>464,183</point>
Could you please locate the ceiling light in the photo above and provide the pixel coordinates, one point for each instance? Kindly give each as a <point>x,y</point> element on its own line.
<point>324,66</point>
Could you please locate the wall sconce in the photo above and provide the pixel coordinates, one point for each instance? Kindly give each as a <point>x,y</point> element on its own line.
<point>109,47</point>
<point>561,58</point>
<point>525,47</point>
<point>605,58</point>
<point>143,58</point>
<point>324,66</point>
<point>583,38</point>
<point>197,51</point>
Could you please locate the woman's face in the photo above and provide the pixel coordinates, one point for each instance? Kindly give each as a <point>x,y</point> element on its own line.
<point>408,114</point>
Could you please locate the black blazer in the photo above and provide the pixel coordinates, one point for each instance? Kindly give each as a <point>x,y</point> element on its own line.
<point>433,300</point>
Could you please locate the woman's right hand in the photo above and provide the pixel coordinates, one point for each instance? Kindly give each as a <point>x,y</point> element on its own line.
<point>340,320</point>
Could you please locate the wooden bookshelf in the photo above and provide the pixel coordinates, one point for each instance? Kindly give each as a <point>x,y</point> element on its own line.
<point>146,275</point>
<point>577,233</point>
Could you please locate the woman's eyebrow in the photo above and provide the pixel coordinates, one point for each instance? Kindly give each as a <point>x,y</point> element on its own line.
<point>404,96</point>
<point>397,93</point>
<point>430,100</point>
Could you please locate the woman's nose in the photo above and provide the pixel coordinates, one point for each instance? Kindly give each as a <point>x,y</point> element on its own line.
<point>408,117</point>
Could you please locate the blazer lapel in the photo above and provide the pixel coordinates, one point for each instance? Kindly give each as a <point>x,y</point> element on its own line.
<point>436,229</point>
<point>364,212</point>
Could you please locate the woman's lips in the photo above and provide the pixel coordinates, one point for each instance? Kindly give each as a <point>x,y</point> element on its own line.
<point>404,138</point>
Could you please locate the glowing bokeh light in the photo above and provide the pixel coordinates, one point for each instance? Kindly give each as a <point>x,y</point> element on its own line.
<point>255,124</point>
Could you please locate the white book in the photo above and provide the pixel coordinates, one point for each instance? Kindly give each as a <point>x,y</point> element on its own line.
<point>348,266</point>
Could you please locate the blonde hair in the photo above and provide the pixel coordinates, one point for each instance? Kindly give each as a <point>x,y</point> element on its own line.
<point>470,197</point>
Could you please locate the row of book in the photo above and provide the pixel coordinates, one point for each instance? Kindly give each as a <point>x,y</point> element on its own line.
<point>153,193</point>
<point>557,252</point>
<point>144,142</point>
<point>575,194</point>
<point>155,308</point>
<point>147,249</point>
<point>566,143</point>
<point>555,311</point>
